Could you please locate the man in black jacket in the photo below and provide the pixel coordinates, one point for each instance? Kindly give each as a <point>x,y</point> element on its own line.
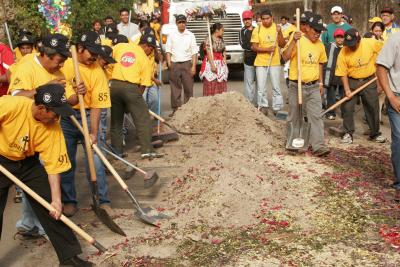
<point>249,57</point>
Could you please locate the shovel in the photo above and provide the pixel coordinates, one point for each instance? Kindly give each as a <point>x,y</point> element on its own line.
<point>171,126</point>
<point>140,213</point>
<point>49,207</point>
<point>346,98</point>
<point>101,213</point>
<point>298,133</point>
<point>150,177</point>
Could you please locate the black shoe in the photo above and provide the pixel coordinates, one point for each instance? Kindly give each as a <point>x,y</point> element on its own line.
<point>76,262</point>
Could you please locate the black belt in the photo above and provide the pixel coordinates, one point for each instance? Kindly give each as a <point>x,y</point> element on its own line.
<point>181,62</point>
<point>120,81</point>
<point>306,84</point>
<point>362,79</point>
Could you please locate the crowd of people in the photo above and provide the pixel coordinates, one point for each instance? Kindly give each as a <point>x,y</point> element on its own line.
<point>118,67</point>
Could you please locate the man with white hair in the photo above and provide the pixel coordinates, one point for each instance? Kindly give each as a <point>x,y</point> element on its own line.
<point>336,16</point>
<point>387,16</point>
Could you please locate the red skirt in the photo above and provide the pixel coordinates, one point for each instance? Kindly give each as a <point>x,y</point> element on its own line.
<point>214,87</point>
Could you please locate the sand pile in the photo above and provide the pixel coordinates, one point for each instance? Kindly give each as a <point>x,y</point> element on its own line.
<point>225,169</point>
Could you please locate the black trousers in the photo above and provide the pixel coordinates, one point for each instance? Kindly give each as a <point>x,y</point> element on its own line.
<point>370,101</point>
<point>33,174</point>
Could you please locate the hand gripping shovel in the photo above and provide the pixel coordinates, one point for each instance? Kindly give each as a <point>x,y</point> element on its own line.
<point>298,133</point>
<point>152,220</point>
<point>101,213</point>
<point>150,177</point>
<point>346,98</point>
<point>47,205</point>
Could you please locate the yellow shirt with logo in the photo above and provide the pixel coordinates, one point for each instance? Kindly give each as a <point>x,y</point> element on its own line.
<point>132,65</point>
<point>93,76</point>
<point>31,136</point>
<point>311,55</point>
<point>359,64</point>
<point>30,74</point>
<point>266,37</point>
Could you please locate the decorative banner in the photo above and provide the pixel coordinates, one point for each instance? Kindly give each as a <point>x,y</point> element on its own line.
<point>56,12</point>
<point>206,11</point>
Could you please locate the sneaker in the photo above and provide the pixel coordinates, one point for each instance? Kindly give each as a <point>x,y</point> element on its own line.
<point>172,113</point>
<point>264,110</point>
<point>330,117</point>
<point>323,151</point>
<point>70,209</point>
<point>108,209</point>
<point>347,139</point>
<point>378,139</point>
<point>76,262</point>
<point>151,155</point>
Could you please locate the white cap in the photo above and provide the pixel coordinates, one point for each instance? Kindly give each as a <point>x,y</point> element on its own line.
<point>336,9</point>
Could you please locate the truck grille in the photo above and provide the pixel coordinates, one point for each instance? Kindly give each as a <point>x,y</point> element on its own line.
<point>232,25</point>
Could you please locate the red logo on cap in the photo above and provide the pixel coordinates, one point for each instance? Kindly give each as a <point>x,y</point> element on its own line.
<point>128,59</point>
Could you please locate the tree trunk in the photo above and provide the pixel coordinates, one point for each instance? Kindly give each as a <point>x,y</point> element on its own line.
<point>6,14</point>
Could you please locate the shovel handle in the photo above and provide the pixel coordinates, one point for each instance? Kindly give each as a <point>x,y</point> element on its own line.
<point>86,136</point>
<point>156,116</point>
<point>47,205</point>
<point>299,89</point>
<point>209,38</point>
<point>346,98</point>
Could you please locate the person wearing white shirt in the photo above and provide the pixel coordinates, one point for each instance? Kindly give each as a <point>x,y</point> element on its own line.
<point>125,27</point>
<point>181,49</point>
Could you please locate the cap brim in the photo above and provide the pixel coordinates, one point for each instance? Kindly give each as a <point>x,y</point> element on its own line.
<point>64,111</point>
<point>109,59</point>
<point>318,27</point>
<point>65,53</point>
<point>247,17</point>
<point>95,49</point>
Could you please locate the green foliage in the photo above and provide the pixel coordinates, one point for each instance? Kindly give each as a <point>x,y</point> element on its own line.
<point>84,12</point>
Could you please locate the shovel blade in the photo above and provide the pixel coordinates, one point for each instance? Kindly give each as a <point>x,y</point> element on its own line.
<point>106,219</point>
<point>166,136</point>
<point>298,139</point>
<point>150,179</point>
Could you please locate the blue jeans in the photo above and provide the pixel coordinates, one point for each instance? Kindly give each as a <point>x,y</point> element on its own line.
<point>394,118</point>
<point>250,83</point>
<point>262,78</point>
<point>29,219</point>
<point>103,124</point>
<point>72,136</point>
<point>150,96</point>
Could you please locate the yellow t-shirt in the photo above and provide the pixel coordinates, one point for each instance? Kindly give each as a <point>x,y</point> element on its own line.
<point>95,80</point>
<point>107,42</point>
<point>18,54</point>
<point>13,67</point>
<point>312,54</point>
<point>359,64</point>
<point>389,32</point>
<point>132,65</point>
<point>288,31</point>
<point>266,37</point>
<point>30,74</point>
<point>31,136</point>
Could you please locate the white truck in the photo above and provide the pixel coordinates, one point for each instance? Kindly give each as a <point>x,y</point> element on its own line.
<point>232,22</point>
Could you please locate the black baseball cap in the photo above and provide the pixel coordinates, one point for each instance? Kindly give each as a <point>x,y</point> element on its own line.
<point>315,22</point>
<point>180,17</point>
<point>351,37</point>
<point>107,54</point>
<point>148,39</point>
<point>305,16</point>
<point>92,42</point>
<point>58,42</point>
<point>111,28</point>
<point>25,39</point>
<point>52,96</point>
<point>119,38</point>
<point>387,10</point>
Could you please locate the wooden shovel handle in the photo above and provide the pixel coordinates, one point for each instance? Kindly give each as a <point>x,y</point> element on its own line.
<point>102,157</point>
<point>353,93</point>
<point>209,38</point>
<point>299,89</point>
<point>156,116</point>
<point>47,205</point>
<point>86,136</point>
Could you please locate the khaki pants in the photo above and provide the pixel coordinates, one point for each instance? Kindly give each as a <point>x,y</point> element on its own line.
<point>312,105</point>
<point>180,75</point>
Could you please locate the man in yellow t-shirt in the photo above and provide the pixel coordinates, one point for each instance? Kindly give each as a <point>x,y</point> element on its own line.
<point>131,75</point>
<point>313,56</point>
<point>40,69</point>
<point>96,98</point>
<point>356,66</point>
<point>39,135</point>
<point>266,40</point>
